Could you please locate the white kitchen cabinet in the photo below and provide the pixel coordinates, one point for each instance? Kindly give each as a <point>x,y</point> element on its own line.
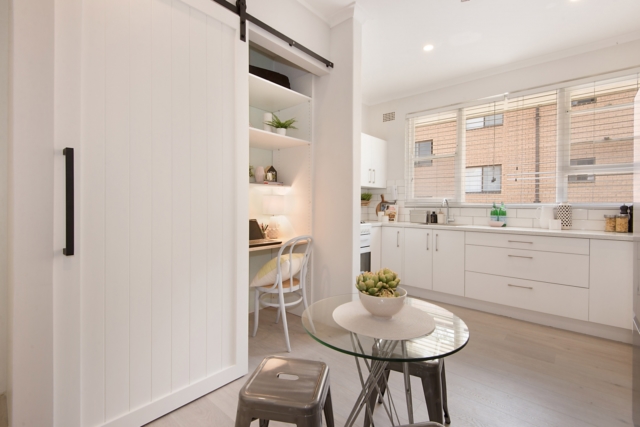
<point>373,162</point>
<point>560,300</point>
<point>392,249</point>
<point>448,262</point>
<point>550,267</point>
<point>376,246</point>
<point>611,283</point>
<point>418,259</point>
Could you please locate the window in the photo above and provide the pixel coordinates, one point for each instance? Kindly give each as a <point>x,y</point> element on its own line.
<point>432,156</point>
<point>424,149</point>
<point>483,122</point>
<point>485,179</point>
<point>585,178</point>
<point>574,144</point>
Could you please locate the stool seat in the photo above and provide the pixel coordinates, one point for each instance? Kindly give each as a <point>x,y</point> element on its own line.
<point>287,390</point>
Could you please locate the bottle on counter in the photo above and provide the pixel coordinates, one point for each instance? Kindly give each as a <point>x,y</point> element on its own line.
<point>440,217</point>
<point>631,219</point>
<point>494,212</point>
<point>434,218</point>
<point>502,212</point>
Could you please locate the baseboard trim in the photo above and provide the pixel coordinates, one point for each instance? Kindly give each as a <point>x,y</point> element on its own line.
<point>173,401</point>
<point>580,326</point>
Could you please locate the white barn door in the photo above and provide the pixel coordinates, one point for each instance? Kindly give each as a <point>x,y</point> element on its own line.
<point>162,207</point>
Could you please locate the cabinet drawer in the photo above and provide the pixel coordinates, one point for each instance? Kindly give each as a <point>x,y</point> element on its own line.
<point>566,245</point>
<point>566,301</point>
<point>564,269</point>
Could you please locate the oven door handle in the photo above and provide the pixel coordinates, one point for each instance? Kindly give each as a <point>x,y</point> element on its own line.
<point>365,249</point>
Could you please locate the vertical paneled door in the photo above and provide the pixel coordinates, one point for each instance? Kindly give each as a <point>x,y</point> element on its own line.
<point>162,206</point>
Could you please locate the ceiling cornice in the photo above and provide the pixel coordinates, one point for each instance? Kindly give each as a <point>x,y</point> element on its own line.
<point>353,10</point>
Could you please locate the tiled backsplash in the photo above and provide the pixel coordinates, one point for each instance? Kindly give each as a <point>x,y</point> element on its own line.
<point>583,219</point>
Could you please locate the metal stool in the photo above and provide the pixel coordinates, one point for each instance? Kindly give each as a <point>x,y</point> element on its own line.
<point>434,385</point>
<point>288,390</point>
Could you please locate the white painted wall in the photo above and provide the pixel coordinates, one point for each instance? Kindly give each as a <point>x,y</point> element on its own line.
<point>337,165</point>
<point>30,213</point>
<point>295,21</point>
<point>606,60</point>
<point>4,175</point>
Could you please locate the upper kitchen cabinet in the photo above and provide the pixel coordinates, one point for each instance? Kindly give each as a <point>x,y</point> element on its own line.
<point>270,95</point>
<point>373,162</point>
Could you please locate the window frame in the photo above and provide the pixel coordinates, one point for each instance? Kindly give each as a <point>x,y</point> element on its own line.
<point>563,166</point>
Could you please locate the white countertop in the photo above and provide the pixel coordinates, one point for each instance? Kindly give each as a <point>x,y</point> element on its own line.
<point>583,234</point>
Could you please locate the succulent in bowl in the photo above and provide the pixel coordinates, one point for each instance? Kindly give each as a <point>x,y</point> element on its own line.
<point>380,284</point>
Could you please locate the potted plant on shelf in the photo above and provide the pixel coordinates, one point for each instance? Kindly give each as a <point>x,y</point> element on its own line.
<point>280,126</point>
<point>379,292</point>
<point>365,198</point>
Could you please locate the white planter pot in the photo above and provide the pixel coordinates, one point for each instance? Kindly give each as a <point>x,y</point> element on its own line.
<point>281,131</point>
<point>267,117</point>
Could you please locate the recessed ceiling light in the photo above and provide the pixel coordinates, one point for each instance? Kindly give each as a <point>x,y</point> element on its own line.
<point>428,48</point>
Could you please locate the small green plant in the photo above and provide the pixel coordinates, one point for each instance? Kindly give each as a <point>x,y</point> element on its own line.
<point>251,172</point>
<point>366,196</point>
<point>381,284</point>
<point>279,124</point>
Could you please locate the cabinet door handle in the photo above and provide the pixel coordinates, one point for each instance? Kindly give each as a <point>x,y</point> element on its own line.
<point>427,241</point>
<point>69,205</point>
<point>398,239</point>
<point>519,256</point>
<point>518,286</point>
<point>519,241</point>
<point>374,176</point>
<point>436,243</point>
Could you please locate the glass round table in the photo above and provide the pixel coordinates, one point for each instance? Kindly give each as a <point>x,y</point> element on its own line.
<point>450,335</point>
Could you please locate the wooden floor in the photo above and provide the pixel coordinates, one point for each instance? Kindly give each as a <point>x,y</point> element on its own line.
<point>511,374</point>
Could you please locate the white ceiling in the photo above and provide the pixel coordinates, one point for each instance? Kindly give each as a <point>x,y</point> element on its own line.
<point>471,37</point>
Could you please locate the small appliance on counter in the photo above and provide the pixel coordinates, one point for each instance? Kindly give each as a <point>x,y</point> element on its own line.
<point>419,216</point>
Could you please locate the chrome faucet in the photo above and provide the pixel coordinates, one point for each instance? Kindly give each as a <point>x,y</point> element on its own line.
<point>447,218</point>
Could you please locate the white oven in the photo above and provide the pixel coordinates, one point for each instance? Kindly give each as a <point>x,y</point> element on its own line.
<point>365,247</point>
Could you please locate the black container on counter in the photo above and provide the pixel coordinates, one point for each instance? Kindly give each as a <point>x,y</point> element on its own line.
<point>434,218</point>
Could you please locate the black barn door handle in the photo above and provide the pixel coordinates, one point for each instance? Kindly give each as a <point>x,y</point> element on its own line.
<point>68,163</point>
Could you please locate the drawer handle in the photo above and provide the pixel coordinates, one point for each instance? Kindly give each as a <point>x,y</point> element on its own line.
<point>428,241</point>
<point>518,286</point>
<point>519,241</point>
<point>519,256</point>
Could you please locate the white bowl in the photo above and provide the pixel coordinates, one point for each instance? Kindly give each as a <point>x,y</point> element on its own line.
<point>496,223</point>
<point>383,307</point>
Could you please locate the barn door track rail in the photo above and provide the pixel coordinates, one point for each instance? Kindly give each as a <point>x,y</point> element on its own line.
<point>240,9</point>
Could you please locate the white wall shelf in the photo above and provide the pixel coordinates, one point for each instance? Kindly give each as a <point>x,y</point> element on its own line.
<point>257,185</point>
<point>259,138</point>
<point>271,97</point>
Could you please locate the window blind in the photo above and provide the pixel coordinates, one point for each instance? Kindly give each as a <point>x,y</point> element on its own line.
<point>601,127</point>
<point>574,144</point>
<point>431,155</point>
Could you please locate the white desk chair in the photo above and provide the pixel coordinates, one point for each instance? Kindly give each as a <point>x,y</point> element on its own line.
<point>288,264</point>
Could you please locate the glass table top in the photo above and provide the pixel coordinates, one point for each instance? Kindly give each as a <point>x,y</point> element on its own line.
<point>450,335</point>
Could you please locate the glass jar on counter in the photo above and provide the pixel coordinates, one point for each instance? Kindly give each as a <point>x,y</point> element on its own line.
<point>610,223</point>
<point>622,223</point>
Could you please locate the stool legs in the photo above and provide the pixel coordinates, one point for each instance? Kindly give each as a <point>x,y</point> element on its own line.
<point>447,420</point>
<point>328,410</point>
<point>243,419</point>
<point>434,387</point>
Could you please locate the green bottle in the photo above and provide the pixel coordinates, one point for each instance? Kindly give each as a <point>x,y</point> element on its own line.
<point>494,212</point>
